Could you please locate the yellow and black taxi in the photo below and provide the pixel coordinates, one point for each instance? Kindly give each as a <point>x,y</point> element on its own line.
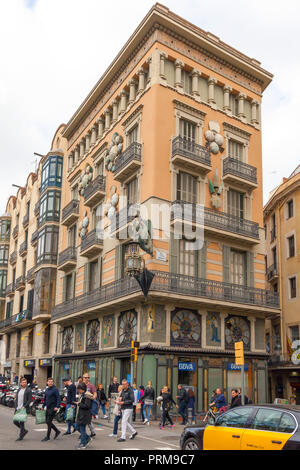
<point>250,427</point>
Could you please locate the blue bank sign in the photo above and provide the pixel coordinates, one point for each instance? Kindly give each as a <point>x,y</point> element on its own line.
<point>187,366</point>
<point>232,366</point>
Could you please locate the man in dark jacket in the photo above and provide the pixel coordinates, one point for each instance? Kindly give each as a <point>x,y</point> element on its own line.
<point>113,388</point>
<point>71,399</point>
<point>126,402</point>
<point>51,403</point>
<point>22,400</point>
<point>182,402</point>
<point>236,399</point>
<point>84,415</point>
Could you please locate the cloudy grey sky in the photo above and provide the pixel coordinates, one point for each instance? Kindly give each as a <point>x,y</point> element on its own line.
<point>54,51</point>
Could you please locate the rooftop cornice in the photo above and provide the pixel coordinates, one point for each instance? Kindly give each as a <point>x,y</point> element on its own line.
<point>283,191</point>
<point>161,18</point>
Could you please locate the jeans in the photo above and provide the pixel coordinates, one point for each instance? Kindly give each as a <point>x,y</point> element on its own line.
<point>83,434</point>
<point>91,428</point>
<point>116,423</point>
<point>183,411</point>
<point>70,423</point>
<point>126,414</point>
<point>145,411</point>
<point>103,409</point>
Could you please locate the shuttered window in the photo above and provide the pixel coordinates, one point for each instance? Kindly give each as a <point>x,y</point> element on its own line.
<point>186,187</point>
<point>133,135</point>
<point>236,150</point>
<point>234,104</point>
<point>132,191</point>
<point>187,259</point>
<point>187,130</point>
<point>238,268</point>
<point>235,203</point>
<point>186,82</point>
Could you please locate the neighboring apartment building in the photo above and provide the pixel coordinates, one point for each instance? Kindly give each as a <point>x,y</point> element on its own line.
<point>176,117</point>
<point>29,245</point>
<point>282,225</point>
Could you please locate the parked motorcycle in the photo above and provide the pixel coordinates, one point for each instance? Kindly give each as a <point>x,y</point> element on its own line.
<point>60,414</point>
<point>37,401</point>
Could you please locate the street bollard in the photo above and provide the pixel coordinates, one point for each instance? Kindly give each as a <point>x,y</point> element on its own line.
<point>190,415</point>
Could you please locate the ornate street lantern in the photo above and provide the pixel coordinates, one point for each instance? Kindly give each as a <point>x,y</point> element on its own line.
<point>134,263</point>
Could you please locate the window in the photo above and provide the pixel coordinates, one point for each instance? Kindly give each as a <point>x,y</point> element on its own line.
<point>274,254</point>
<point>294,333</point>
<point>267,420</point>
<point>293,287</point>
<point>186,188</point>
<point>18,347</point>
<point>187,259</point>
<point>291,244</point>
<point>3,255</point>
<point>21,303</point>
<point>94,282</point>
<point>30,343</point>
<point>49,207</point>
<point>73,235</point>
<point>290,208</point>
<point>30,300</point>
<point>47,245</point>
<point>238,268</point>
<point>69,286</point>
<point>3,282</point>
<point>52,172</point>
<point>273,227</point>
<point>100,168</point>
<point>133,135</point>
<point>287,424</point>
<point>132,191</point>
<point>9,309</point>
<point>187,130</point>
<point>234,104</point>
<point>4,230</point>
<point>186,82</point>
<point>235,150</point>
<point>237,418</point>
<point>235,203</point>
<point>27,208</point>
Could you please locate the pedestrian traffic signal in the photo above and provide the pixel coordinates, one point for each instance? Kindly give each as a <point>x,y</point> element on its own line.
<point>239,353</point>
<point>133,356</point>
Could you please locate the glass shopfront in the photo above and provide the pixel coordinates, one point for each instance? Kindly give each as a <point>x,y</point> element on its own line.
<point>89,367</point>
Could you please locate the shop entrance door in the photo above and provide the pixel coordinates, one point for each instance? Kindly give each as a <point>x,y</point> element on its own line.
<point>125,369</point>
<point>29,377</point>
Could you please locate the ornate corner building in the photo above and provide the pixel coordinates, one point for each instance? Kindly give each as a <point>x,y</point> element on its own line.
<point>175,121</point>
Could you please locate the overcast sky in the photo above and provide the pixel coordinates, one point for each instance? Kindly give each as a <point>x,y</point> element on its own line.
<point>54,51</point>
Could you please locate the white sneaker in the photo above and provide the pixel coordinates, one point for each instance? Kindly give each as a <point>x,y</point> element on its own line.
<point>105,417</point>
<point>146,421</point>
<point>112,435</point>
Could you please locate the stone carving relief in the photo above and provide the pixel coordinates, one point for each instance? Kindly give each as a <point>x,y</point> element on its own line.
<point>114,150</point>
<point>85,179</point>
<point>214,139</point>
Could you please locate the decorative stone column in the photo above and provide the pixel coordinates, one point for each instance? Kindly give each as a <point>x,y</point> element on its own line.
<point>115,110</point>
<point>254,105</point>
<point>87,142</point>
<point>132,88</point>
<point>141,75</point>
<point>82,147</point>
<point>163,58</point>
<point>178,78</point>
<point>107,119</point>
<point>123,96</point>
<point>71,161</point>
<point>195,84</point>
<point>150,75</point>
<point>94,135</point>
<point>227,90</point>
<point>76,155</point>
<point>211,90</point>
<point>241,111</point>
<point>100,123</point>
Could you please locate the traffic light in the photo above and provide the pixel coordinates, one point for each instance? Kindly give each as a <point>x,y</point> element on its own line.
<point>135,344</point>
<point>239,353</point>
<point>133,355</point>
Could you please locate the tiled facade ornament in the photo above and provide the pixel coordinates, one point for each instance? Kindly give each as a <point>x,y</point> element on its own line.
<point>112,203</point>
<point>215,190</point>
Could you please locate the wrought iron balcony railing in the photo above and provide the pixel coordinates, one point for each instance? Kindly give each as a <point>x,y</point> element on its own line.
<point>123,217</point>
<point>23,248</point>
<point>13,257</point>
<point>16,319</point>
<point>133,152</point>
<point>26,220</point>
<point>10,288</point>
<point>189,149</point>
<point>239,169</point>
<point>99,184</point>
<point>272,272</point>
<point>34,237</point>
<point>92,238</point>
<point>71,208</point>
<point>171,283</point>
<point>30,274</point>
<point>15,231</point>
<point>70,254</point>
<point>20,282</point>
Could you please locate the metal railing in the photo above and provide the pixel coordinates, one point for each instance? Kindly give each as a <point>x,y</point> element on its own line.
<point>16,319</point>
<point>13,257</point>
<point>92,238</point>
<point>272,271</point>
<point>282,359</point>
<point>215,219</point>
<point>26,219</point>
<point>99,184</point>
<point>70,254</point>
<point>23,248</point>
<point>30,274</point>
<point>10,288</point>
<point>273,234</point>
<point>34,237</point>
<point>71,208</point>
<point>173,284</point>
<point>242,170</point>
<point>188,148</point>
<point>20,281</point>
<point>133,152</point>
<point>15,231</point>
<point>123,217</point>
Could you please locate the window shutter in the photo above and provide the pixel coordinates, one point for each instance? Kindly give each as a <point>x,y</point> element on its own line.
<point>174,254</point>
<point>226,263</point>
<point>250,269</point>
<point>202,260</point>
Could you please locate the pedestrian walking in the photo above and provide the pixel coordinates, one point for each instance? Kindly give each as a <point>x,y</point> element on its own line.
<point>22,401</point>
<point>140,400</point>
<point>51,404</point>
<point>91,389</point>
<point>117,413</point>
<point>166,406</point>
<point>182,403</point>
<point>135,392</point>
<point>84,415</point>
<point>71,399</point>
<point>126,402</point>
<point>101,397</point>
<point>191,403</point>
<point>79,381</point>
<point>148,401</point>
<point>236,398</point>
<point>113,387</point>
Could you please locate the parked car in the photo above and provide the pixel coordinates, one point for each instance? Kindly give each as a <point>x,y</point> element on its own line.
<point>251,427</point>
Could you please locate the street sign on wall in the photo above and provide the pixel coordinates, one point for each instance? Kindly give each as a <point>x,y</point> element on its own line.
<point>187,366</point>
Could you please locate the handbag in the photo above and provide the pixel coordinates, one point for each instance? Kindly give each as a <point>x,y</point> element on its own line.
<point>20,416</point>
<point>40,416</point>
<point>70,414</point>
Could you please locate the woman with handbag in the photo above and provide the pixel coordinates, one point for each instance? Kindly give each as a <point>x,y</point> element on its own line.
<point>167,400</point>
<point>117,413</point>
<point>101,397</point>
<point>22,403</point>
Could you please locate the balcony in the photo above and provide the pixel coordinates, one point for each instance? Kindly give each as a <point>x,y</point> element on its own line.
<point>23,249</point>
<point>20,283</point>
<point>31,275</point>
<point>272,273</point>
<point>34,238</point>
<point>46,259</point>
<point>120,222</point>
<point>22,320</point>
<point>15,231</point>
<point>4,237</point>
<point>95,191</point>
<point>128,162</point>
<point>67,259</point>
<point>13,257</point>
<point>273,234</point>
<point>282,361</point>
<point>10,289</point>
<point>91,244</point>
<point>26,221</point>
<point>167,286</point>
<point>190,155</point>
<point>217,223</point>
<point>70,213</point>
<point>37,209</point>
<point>237,172</point>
